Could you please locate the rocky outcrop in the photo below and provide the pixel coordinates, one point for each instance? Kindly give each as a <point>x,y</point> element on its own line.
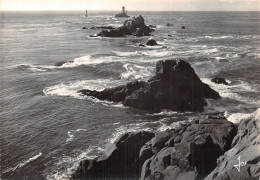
<point>186,152</point>
<point>219,80</point>
<point>246,149</point>
<point>134,26</point>
<point>151,42</point>
<point>120,160</point>
<point>175,86</point>
<point>190,151</point>
<point>102,27</point>
<point>169,24</point>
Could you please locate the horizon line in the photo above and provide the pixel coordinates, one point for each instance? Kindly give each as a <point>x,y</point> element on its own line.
<point>131,10</point>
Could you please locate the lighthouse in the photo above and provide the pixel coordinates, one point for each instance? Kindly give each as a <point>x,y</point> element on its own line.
<point>123,9</point>
<point>123,13</point>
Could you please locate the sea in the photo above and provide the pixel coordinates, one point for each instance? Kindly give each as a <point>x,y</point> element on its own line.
<point>47,127</point>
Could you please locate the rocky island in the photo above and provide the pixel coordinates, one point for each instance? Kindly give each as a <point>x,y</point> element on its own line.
<point>207,147</point>
<point>123,13</point>
<point>134,26</point>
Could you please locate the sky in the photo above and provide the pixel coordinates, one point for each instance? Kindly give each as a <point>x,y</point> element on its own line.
<point>139,5</point>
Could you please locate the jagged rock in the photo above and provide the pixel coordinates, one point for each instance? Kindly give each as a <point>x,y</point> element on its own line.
<point>158,142</point>
<point>134,26</point>
<point>245,145</point>
<point>175,86</point>
<point>219,80</point>
<point>84,28</point>
<point>121,159</point>
<point>194,155</point>
<point>151,42</point>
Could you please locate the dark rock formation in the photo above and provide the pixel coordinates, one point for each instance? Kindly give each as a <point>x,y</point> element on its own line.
<point>219,80</point>
<point>121,15</point>
<point>121,160</point>
<point>175,86</point>
<point>151,42</point>
<point>169,24</point>
<point>183,27</point>
<point>152,26</point>
<point>60,63</point>
<point>84,28</point>
<point>134,26</point>
<point>189,151</point>
<point>142,45</point>
<point>245,145</point>
<point>102,27</point>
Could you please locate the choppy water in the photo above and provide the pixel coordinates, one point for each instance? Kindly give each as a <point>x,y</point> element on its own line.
<point>47,128</point>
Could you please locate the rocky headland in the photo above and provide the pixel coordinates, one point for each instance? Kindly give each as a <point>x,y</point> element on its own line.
<point>134,26</point>
<point>207,147</point>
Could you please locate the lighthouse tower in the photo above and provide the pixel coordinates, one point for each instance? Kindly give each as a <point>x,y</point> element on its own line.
<point>123,9</point>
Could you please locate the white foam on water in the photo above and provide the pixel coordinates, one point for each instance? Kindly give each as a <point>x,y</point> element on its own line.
<point>164,113</point>
<point>84,60</point>
<point>230,90</point>
<point>173,125</point>
<point>155,53</point>
<point>22,163</point>
<point>134,71</point>
<point>218,37</point>
<point>71,163</point>
<point>71,136</point>
<point>236,118</point>
<point>71,88</point>
<point>126,128</point>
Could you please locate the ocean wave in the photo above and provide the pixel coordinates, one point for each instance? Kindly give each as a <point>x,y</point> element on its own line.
<point>71,89</point>
<point>23,163</point>
<point>236,118</point>
<point>71,163</point>
<point>70,138</point>
<point>84,60</point>
<point>134,71</point>
<point>150,53</point>
<point>218,37</point>
<point>232,89</point>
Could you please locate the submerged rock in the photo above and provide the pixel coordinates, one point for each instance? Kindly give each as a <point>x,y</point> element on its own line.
<point>134,26</point>
<point>169,24</point>
<point>121,159</point>
<point>219,80</point>
<point>183,27</point>
<point>175,86</point>
<point>151,42</point>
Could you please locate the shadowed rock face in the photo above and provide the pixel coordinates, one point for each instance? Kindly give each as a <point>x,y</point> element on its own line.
<point>121,159</point>
<point>187,152</point>
<point>245,145</point>
<point>190,151</point>
<point>134,26</point>
<point>175,86</point>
